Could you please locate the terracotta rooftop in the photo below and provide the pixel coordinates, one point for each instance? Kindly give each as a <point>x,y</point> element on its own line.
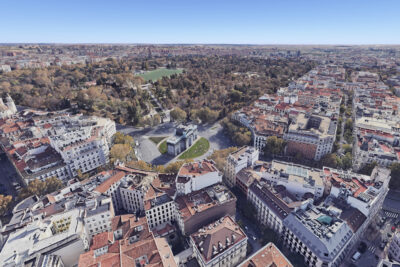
<point>197,168</point>
<point>267,256</point>
<point>215,238</point>
<point>123,252</point>
<point>102,240</point>
<point>102,188</point>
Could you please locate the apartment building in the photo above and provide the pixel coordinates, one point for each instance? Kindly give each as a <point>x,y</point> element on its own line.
<point>85,147</point>
<point>159,207</point>
<point>129,243</point>
<point>394,247</point>
<point>110,187</point>
<point>378,141</point>
<point>127,188</point>
<point>245,178</point>
<point>221,243</point>
<point>98,215</point>
<point>196,176</point>
<point>318,235</point>
<point>55,144</point>
<point>262,123</point>
<point>363,192</point>
<point>299,180</point>
<point>202,207</point>
<point>311,136</point>
<point>62,235</point>
<point>272,206</point>
<point>242,158</point>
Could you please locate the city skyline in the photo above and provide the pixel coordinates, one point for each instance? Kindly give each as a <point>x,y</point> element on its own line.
<point>206,22</point>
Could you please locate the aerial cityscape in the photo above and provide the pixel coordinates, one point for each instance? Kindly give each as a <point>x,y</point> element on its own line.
<point>215,143</point>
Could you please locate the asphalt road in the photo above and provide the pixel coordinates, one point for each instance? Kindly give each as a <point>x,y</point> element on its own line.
<point>251,231</point>
<point>374,252</point>
<point>7,176</point>
<point>148,151</point>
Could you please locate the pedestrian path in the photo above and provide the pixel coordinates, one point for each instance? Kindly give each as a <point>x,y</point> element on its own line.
<point>391,214</point>
<point>372,248</point>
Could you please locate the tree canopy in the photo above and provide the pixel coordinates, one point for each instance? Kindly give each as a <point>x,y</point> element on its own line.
<point>5,202</point>
<point>178,114</point>
<point>121,152</point>
<point>41,188</point>
<point>274,146</point>
<point>220,156</point>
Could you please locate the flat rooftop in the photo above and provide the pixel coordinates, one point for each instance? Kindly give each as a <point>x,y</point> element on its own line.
<point>204,199</point>
<point>194,169</point>
<point>238,154</point>
<point>314,124</point>
<point>298,173</point>
<point>320,229</point>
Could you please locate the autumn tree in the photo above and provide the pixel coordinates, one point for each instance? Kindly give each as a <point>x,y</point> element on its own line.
<point>140,164</point>
<point>347,148</point>
<point>178,114</point>
<point>274,146</point>
<point>329,160</point>
<point>81,176</point>
<point>174,167</point>
<point>242,138</point>
<point>347,161</point>
<point>206,115</point>
<point>120,138</point>
<point>41,188</point>
<point>220,156</point>
<point>121,152</point>
<point>367,168</point>
<point>5,202</point>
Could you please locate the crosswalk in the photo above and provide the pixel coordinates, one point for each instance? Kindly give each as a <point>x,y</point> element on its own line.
<point>372,248</point>
<point>391,214</point>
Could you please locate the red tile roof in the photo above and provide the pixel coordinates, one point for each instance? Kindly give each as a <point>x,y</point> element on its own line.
<point>102,188</point>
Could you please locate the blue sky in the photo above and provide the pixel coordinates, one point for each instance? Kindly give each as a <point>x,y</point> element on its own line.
<point>193,21</point>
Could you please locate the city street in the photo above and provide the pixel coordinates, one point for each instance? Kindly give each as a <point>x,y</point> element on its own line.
<point>374,240</point>
<point>251,231</point>
<point>7,176</point>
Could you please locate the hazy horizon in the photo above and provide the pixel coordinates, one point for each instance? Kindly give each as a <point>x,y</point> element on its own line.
<point>201,22</point>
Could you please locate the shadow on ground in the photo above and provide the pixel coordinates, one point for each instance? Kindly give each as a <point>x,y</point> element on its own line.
<point>162,159</point>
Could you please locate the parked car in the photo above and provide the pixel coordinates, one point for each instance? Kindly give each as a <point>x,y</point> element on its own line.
<point>356,256</point>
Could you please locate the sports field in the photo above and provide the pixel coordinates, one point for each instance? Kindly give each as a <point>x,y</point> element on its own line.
<point>157,74</point>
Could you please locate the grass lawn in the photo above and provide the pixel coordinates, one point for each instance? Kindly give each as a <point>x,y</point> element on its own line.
<point>157,139</point>
<point>157,74</point>
<point>199,148</point>
<point>163,147</point>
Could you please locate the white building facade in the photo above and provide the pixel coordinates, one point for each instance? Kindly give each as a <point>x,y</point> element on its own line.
<point>238,160</point>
